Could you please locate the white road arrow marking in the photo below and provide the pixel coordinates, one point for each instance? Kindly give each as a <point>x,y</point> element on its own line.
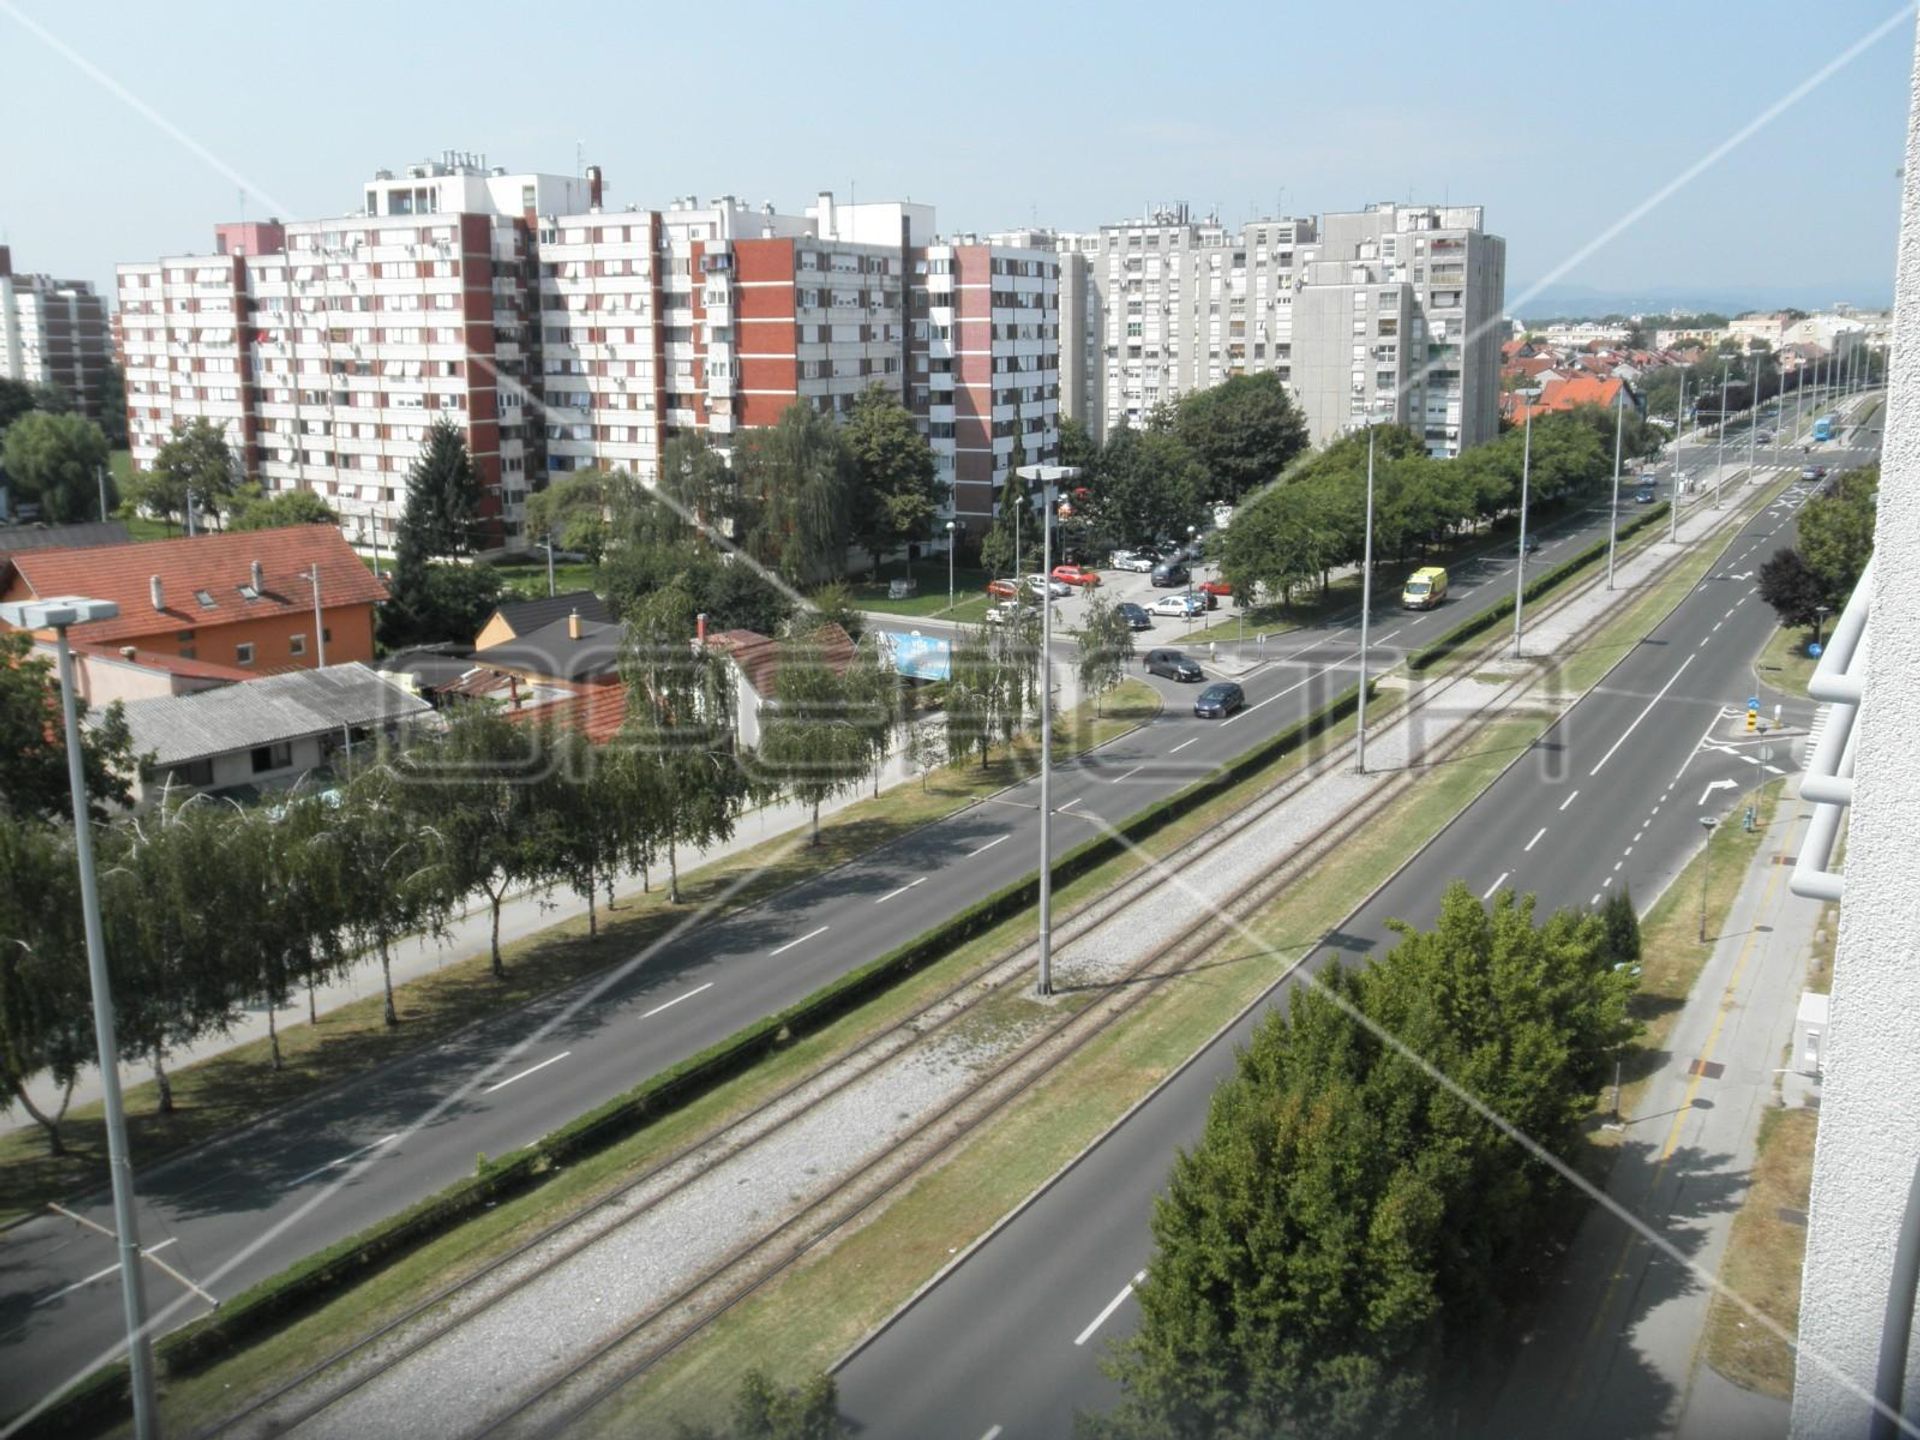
<point>1717,785</point>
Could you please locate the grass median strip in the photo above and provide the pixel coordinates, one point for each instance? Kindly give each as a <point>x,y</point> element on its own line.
<point>229,1090</point>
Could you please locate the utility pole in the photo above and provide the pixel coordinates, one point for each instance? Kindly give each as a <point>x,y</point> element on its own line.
<point>1679,428</point>
<point>1613,515</point>
<point>1366,608</point>
<point>1048,476</point>
<point>319,626</point>
<point>551,592</point>
<point>100,476</point>
<point>1520,570</point>
<point>1720,455</point>
<point>1753,421</point>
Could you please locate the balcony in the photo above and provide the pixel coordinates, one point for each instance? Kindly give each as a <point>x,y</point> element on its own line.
<point>1839,681</point>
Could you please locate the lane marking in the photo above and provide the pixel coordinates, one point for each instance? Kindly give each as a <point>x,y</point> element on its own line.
<point>1495,886</point>
<point>1604,884</point>
<point>1062,809</point>
<point>1112,1305</point>
<point>983,849</point>
<point>901,891</point>
<point>1637,834</point>
<point>1594,901</point>
<point>691,993</point>
<point>1616,866</point>
<point>343,1160</point>
<point>993,1434</point>
<point>1385,638</point>
<point>821,931</point>
<point>1536,837</point>
<point>113,1269</point>
<point>1116,780</point>
<point>1569,800</point>
<point>1183,745</point>
<point>1614,748</point>
<point>531,1069</point>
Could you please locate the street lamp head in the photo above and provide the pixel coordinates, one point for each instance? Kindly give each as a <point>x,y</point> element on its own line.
<point>950,525</point>
<point>1707,822</point>
<point>56,612</point>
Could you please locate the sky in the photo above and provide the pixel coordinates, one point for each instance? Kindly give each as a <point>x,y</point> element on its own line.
<point>132,128</point>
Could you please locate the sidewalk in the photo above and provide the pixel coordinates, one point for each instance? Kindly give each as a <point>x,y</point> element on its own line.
<point>1615,1349</point>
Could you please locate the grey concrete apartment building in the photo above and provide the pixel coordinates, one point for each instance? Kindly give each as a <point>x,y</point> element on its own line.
<point>1387,312</point>
<point>53,332</point>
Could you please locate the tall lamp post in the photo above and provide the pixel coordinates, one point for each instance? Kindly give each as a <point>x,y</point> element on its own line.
<point>1366,614</point>
<point>1720,448</point>
<point>1613,516</point>
<point>1048,476</point>
<point>1520,569</point>
<point>57,614</point>
<point>1707,822</point>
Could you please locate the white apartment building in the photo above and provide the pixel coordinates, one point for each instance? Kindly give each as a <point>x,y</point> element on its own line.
<point>53,332</point>
<point>1391,312</point>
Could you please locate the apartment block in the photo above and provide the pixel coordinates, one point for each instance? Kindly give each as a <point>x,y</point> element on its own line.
<point>1389,312</point>
<point>562,334</point>
<point>53,332</point>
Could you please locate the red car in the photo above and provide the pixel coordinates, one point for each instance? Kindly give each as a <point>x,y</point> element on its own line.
<point>1003,590</point>
<point>1075,575</point>
<point>1219,588</point>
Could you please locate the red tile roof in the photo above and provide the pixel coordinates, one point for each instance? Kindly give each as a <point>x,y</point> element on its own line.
<point>598,712</point>
<point>1580,390</point>
<point>218,565</point>
<point>758,656</point>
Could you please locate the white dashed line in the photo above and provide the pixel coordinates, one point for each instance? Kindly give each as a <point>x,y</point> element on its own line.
<point>531,1069</point>
<point>1642,716</point>
<point>991,843</point>
<point>1112,1305</point>
<point>901,891</point>
<point>1496,885</point>
<point>1569,800</point>
<point>811,933</point>
<point>1594,901</point>
<point>1183,745</point>
<point>1536,838</point>
<point>343,1160</point>
<point>668,1005</point>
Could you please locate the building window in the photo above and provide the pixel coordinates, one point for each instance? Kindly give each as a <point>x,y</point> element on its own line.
<point>278,756</point>
<point>243,654</point>
<point>297,645</point>
<point>195,772</point>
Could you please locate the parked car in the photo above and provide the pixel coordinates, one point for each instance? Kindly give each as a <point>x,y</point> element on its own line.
<point>1130,560</point>
<point>1184,604</point>
<point>1169,573</point>
<point>1008,611</point>
<point>1216,587</point>
<point>902,589</point>
<point>1040,585</point>
<point>1135,616</point>
<point>1645,495</point>
<point>1076,575</point>
<point>1219,700</point>
<point>1003,589</point>
<point>1173,665</point>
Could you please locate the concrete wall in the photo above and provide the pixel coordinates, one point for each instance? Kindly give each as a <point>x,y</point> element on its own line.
<point>1869,1140</point>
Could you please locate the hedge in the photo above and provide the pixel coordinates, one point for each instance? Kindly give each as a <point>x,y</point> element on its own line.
<point>103,1398</point>
<point>1444,645</point>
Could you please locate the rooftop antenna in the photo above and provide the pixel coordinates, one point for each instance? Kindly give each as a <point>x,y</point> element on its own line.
<point>579,158</point>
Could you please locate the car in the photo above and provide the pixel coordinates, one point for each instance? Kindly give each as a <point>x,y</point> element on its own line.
<point>1533,542</point>
<point>1216,587</point>
<point>1169,573</point>
<point>1173,665</point>
<point>1765,437</point>
<point>1003,589</point>
<point>1219,700</point>
<point>1810,472</point>
<point>1076,575</point>
<point>1130,560</point>
<point>1184,604</point>
<point>1008,611</point>
<point>1040,585</point>
<point>902,589</point>
<point>1135,616</point>
<point>1644,496</point>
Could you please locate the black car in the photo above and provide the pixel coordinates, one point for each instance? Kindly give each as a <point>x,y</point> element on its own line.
<point>1170,575</point>
<point>1219,700</point>
<point>1135,616</point>
<point>1645,495</point>
<point>1173,665</point>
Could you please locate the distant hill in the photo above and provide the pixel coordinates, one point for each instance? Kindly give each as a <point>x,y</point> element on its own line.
<point>1568,302</point>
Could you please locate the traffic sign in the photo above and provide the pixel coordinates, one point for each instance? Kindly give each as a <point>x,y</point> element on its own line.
<point>1813,649</point>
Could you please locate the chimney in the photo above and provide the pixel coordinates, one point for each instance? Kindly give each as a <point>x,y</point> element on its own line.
<point>259,579</point>
<point>127,652</point>
<point>700,630</point>
<point>513,692</point>
<point>154,593</point>
<point>573,625</point>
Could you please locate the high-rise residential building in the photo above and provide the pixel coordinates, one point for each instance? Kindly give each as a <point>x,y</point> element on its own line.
<point>1388,312</point>
<point>53,332</point>
<point>561,334</point>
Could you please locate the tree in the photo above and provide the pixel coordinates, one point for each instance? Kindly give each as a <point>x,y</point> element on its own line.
<point>442,515</point>
<point>438,602</point>
<point>255,510</point>
<point>16,399</point>
<point>895,492</point>
<point>1243,431</point>
<point>1788,584</point>
<point>1077,448</point>
<point>1149,488</point>
<point>701,494</point>
<point>877,701</point>
<point>46,1011</point>
<point>193,470</point>
<point>113,405</point>
<point>1836,530</point>
<point>390,869</point>
<point>1014,534</point>
<point>572,511</point>
<point>33,746</point>
<point>799,479</point>
<point>765,1411</point>
<point>56,461</point>
<point>1105,648</point>
<point>811,741</point>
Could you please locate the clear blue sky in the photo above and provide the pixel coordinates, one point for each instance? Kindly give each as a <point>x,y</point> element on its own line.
<point>1558,118</point>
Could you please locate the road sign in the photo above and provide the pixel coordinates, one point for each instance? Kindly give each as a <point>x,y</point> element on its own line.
<point>1814,649</point>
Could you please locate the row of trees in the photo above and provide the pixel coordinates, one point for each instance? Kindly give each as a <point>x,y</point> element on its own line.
<point>1336,1245</point>
<point>1835,542</point>
<point>1294,534</point>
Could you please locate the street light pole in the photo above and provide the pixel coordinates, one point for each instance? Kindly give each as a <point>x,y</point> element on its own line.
<point>1613,516</point>
<point>1048,476</point>
<point>319,627</point>
<point>1520,570</point>
<point>1706,867</point>
<point>1720,456</point>
<point>57,614</point>
<point>1366,609</point>
<point>551,592</point>
<point>1753,421</point>
<point>1679,427</point>
<point>1016,587</point>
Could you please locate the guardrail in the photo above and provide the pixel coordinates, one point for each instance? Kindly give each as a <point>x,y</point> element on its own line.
<point>1839,680</point>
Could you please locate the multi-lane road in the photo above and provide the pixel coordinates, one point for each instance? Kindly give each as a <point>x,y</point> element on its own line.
<point>233,1212</point>
<point>1008,1343</point>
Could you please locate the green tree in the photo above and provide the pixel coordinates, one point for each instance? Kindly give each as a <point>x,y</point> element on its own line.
<point>1789,585</point>
<point>799,480</point>
<point>895,493</point>
<point>438,602</point>
<point>572,509</point>
<point>812,743</point>
<point>1149,488</point>
<point>765,1411</point>
<point>1243,431</point>
<point>55,461</point>
<point>16,399</point>
<point>33,747</point>
<point>113,406</point>
<point>46,1011</point>
<point>1836,530</point>
<point>1014,534</point>
<point>701,494</point>
<point>255,510</point>
<point>877,702</point>
<point>442,515</point>
<point>1077,447</point>
<point>193,468</point>
<point>1105,647</point>
<point>389,870</point>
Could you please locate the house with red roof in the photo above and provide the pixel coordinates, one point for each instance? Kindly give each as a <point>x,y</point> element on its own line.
<point>252,601</point>
<point>755,660</point>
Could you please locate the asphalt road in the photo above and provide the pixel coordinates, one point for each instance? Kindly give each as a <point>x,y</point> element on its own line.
<point>1008,1344</point>
<point>239,1210</point>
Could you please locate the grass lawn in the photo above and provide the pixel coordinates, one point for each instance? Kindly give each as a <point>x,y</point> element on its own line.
<point>239,1085</point>
<point>1762,1264</point>
<point>969,591</point>
<point>1785,665</point>
<point>528,578</point>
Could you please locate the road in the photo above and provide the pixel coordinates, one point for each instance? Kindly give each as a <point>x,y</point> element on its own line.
<point>239,1210</point>
<point>1008,1343</point>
